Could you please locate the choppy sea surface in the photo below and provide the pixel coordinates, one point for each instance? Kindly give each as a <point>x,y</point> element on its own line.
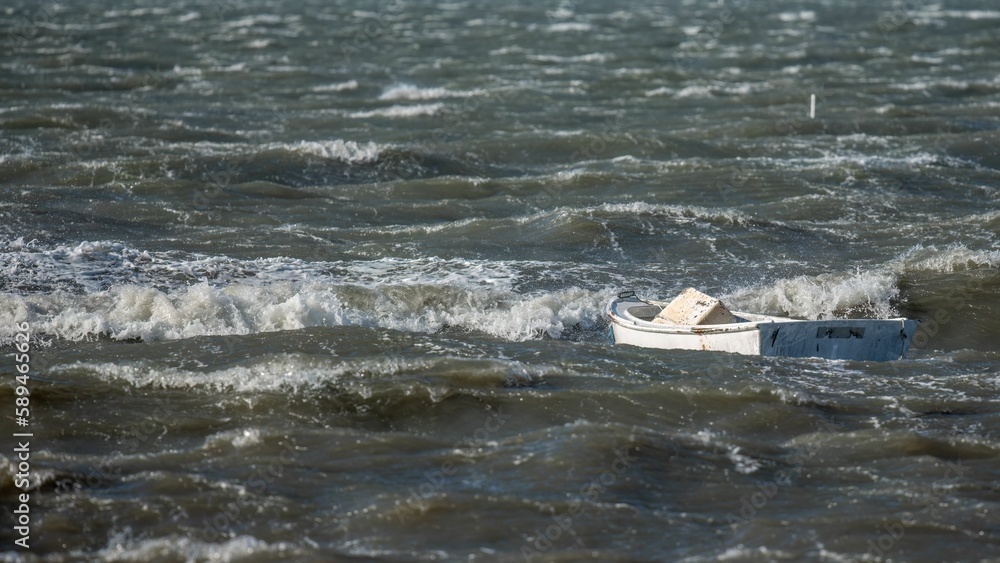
<point>325,280</point>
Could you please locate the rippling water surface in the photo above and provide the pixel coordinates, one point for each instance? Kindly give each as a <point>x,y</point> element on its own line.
<point>325,280</point>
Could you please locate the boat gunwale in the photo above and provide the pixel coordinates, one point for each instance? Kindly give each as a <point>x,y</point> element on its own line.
<point>634,323</point>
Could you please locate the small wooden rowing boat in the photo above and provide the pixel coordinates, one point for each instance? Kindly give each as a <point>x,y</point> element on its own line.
<point>640,322</point>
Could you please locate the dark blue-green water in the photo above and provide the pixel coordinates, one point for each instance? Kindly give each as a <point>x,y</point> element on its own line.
<point>320,281</point>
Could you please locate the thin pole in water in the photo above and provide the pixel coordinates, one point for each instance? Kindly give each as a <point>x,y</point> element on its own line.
<point>812,106</point>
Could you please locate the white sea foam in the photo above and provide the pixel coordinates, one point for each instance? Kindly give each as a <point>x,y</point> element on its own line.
<point>741,553</point>
<point>296,373</point>
<point>921,159</point>
<point>126,312</point>
<point>508,50</point>
<point>587,58</point>
<point>337,149</point>
<point>694,92</point>
<point>130,294</point>
<point>563,27</point>
<point>682,212</point>
<point>93,264</point>
<point>250,21</point>
<point>743,464</point>
<point>800,16</point>
<point>661,91</point>
<point>136,12</point>
<point>954,257</point>
<point>106,288</point>
<point>277,373</point>
<point>235,67</point>
<point>259,43</point>
<point>411,92</point>
<point>399,111</point>
<point>337,86</point>
<point>969,14</point>
<point>235,438</point>
<point>949,83</point>
<point>705,91</point>
<point>822,296</point>
<point>239,548</point>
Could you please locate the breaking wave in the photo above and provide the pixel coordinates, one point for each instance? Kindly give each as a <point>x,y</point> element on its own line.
<point>106,288</point>
<point>103,288</point>
<point>823,296</point>
<point>429,376</point>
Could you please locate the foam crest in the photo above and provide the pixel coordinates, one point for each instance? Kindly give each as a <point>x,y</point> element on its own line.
<point>236,438</point>
<point>954,257</point>
<point>337,86</point>
<point>399,111</point>
<point>88,265</point>
<point>432,270</point>
<point>587,58</point>
<point>680,211</point>
<point>304,374</point>
<point>240,548</point>
<point>150,314</point>
<point>278,373</point>
<point>870,162</point>
<point>969,14</point>
<point>337,149</point>
<point>570,26</point>
<point>94,266</point>
<point>411,92</point>
<point>821,297</point>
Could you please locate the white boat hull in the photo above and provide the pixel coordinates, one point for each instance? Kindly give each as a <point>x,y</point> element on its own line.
<point>837,339</point>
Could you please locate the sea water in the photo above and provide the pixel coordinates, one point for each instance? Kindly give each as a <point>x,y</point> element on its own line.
<point>326,280</point>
